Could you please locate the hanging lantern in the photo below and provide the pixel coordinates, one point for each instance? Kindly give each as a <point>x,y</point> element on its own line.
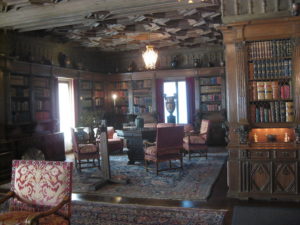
<point>150,57</point>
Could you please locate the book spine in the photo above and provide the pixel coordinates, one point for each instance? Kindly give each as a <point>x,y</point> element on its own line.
<point>254,91</point>
<point>253,113</point>
<point>272,110</point>
<point>268,90</point>
<point>277,112</point>
<point>261,114</point>
<point>260,91</point>
<point>275,89</point>
<point>282,112</point>
<point>257,115</point>
<point>289,111</point>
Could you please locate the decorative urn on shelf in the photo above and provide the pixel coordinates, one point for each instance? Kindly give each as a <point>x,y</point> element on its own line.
<point>170,106</point>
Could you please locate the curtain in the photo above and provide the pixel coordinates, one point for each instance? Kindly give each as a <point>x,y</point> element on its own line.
<point>160,99</point>
<point>76,98</point>
<point>190,94</point>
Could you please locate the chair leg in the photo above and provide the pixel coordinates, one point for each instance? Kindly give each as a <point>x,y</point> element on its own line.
<point>181,163</point>
<point>146,165</point>
<point>170,164</point>
<point>99,164</point>
<point>189,155</point>
<point>156,168</point>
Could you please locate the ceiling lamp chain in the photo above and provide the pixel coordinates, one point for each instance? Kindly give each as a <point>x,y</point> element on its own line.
<point>150,57</point>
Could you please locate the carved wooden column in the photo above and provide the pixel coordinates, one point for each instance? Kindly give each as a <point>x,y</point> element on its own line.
<point>242,88</point>
<point>296,88</point>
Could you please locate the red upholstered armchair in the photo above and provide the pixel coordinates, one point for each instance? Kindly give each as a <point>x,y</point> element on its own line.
<point>197,143</point>
<point>85,152</point>
<point>115,144</point>
<point>40,193</point>
<point>167,147</point>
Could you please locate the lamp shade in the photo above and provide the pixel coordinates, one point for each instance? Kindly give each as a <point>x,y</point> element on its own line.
<point>150,57</point>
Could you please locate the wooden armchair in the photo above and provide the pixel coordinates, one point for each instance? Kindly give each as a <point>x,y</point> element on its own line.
<point>197,143</point>
<point>40,193</point>
<point>83,153</point>
<point>167,147</point>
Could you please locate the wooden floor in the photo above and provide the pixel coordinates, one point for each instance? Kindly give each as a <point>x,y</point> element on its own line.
<point>217,200</point>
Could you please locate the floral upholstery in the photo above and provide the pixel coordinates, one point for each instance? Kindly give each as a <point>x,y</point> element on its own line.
<point>87,148</point>
<point>197,143</point>
<point>39,186</point>
<point>167,146</point>
<point>19,218</point>
<point>84,152</point>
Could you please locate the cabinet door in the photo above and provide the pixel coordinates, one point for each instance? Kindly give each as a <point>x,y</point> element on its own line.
<point>285,177</point>
<point>260,176</point>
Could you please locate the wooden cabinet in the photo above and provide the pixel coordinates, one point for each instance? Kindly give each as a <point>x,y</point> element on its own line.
<point>262,74</point>
<point>264,172</point>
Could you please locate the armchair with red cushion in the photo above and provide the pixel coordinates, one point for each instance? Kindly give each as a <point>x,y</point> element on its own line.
<point>167,147</point>
<point>197,143</point>
<point>40,193</point>
<point>84,152</point>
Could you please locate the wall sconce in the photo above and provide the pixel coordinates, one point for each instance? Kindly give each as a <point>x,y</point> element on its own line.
<point>114,97</point>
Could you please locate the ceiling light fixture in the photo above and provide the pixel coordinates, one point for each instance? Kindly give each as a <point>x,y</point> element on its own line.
<point>150,57</point>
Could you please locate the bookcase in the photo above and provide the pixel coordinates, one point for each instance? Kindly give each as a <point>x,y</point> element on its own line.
<point>262,85</point>
<point>210,94</point>
<point>121,90</point>
<point>19,99</point>
<point>270,81</point>
<point>142,96</point>
<point>86,94</point>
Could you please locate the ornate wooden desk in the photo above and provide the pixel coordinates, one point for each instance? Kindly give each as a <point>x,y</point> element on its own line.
<point>134,138</point>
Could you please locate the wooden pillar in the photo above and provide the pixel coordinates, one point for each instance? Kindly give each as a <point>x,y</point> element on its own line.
<point>242,88</point>
<point>296,78</point>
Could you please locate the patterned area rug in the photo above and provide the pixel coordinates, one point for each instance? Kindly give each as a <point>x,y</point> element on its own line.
<point>193,183</point>
<point>94,213</point>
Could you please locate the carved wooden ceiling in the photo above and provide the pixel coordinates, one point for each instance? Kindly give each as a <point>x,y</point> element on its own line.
<point>117,24</point>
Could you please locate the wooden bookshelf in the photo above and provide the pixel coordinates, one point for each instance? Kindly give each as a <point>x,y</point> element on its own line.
<point>142,96</point>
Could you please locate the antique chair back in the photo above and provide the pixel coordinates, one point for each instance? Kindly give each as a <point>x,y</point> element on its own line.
<point>167,147</point>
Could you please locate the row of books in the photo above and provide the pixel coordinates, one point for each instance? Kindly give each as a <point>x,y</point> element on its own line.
<point>86,85</point>
<point>18,80</point>
<point>210,107</point>
<point>40,82</point>
<point>19,106</point>
<point>270,49</point>
<point>210,80</point>
<point>273,112</point>
<point>263,69</point>
<point>270,90</point>
<point>210,89</point>
<point>42,105</point>
<point>42,92</point>
<point>211,97</point>
<point>137,84</point>
<point>142,100</point>
<point>121,93</point>
<point>99,101</point>
<point>19,92</point>
<point>85,94</point>
<point>40,116</point>
<point>21,117</point>
<point>120,85</point>
<point>138,109</point>
<point>99,94</point>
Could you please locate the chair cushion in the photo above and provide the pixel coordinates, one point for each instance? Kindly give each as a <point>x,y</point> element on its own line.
<point>87,148</point>
<point>194,140</point>
<point>110,132</point>
<point>151,150</point>
<point>19,217</point>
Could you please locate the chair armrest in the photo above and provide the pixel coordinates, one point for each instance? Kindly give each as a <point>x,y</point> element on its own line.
<point>148,143</point>
<point>33,219</point>
<point>7,196</point>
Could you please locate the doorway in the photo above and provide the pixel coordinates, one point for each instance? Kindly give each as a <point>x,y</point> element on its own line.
<point>66,109</point>
<point>177,88</point>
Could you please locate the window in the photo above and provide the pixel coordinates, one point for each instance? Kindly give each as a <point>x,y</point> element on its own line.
<point>177,88</point>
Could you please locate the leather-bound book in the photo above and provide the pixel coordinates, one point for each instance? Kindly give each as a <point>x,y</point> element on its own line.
<point>268,90</point>
<point>260,90</point>
<point>289,111</point>
<point>275,90</point>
